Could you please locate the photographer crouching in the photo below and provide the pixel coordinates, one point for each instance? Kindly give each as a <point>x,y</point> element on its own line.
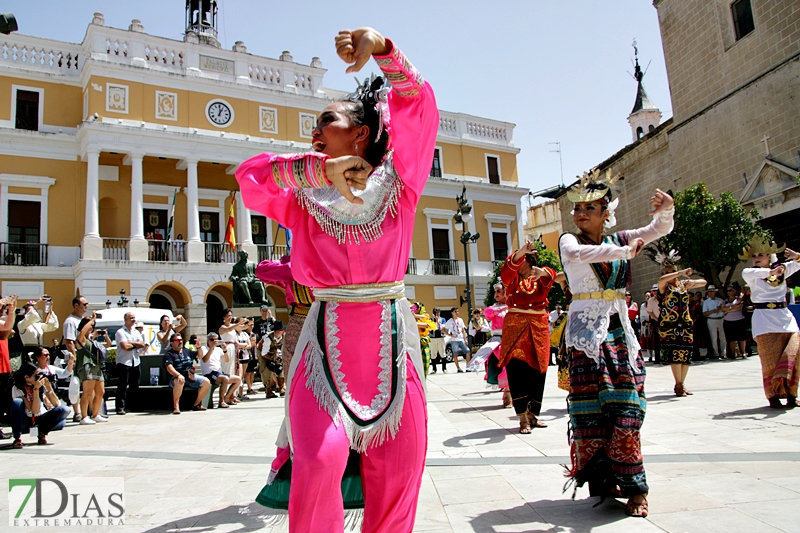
<point>34,404</point>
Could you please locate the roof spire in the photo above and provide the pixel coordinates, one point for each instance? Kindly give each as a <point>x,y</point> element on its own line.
<point>644,116</point>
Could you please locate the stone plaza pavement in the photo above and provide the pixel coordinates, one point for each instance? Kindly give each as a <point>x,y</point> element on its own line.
<point>718,461</point>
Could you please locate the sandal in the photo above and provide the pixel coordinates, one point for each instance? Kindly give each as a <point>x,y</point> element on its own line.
<point>17,444</point>
<point>176,412</point>
<point>679,390</point>
<point>198,407</point>
<point>42,440</point>
<point>637,509</point>
<point>535,422</point>
<point>524,425</point>
<point>223,405</point>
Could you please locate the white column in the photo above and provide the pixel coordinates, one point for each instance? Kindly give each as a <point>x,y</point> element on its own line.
<point>137,213</point>
<point>195,251</point>
<point>4,213</point>
<point>92,244</point>
<point>137,246</point>
<point>245,229</point>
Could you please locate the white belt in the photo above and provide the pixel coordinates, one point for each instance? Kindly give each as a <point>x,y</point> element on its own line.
<point>371,292</point>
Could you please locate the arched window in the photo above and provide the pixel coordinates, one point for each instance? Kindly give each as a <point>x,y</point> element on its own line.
<point>639,132</point>
<point>651,128</point>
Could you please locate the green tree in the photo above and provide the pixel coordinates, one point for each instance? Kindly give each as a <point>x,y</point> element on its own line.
<point>546,258</point>
<point>710,234</point>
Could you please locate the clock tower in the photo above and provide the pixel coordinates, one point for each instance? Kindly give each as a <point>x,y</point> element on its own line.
<point>201,22</point>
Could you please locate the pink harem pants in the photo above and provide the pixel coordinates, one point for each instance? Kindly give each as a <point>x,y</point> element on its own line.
<point>391,473</point>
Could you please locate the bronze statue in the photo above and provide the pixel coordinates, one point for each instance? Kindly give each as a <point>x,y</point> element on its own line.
<point>248,290</point>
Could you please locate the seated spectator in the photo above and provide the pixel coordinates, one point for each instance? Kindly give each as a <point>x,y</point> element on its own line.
<point>179,363</point>
<point>32,393</point>
<point>41,358</point>
<point>271,361</point>
<point>211,366</point>
<point>192,343</point>
<point>90,343</point>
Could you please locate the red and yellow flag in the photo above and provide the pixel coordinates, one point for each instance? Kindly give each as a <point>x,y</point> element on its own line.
<point>230,231</point>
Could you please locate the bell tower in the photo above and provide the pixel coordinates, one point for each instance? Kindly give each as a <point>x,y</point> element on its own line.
<point>645,116</point>
<point>201,22</point>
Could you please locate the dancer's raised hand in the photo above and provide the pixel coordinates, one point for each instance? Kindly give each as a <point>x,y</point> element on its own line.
<point>791,255</point>
<point>346,172</point>
<point>660,201</point>
<point>357,46</point>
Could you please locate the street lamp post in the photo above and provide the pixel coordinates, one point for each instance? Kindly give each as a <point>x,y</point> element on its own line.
<point>463,216</point>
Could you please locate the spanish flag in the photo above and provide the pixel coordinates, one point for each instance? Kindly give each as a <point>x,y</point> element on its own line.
<point>230,231</point>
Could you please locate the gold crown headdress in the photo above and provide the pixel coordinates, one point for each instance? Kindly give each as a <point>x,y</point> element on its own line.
<point>592,186</point>
<point>759,245</point>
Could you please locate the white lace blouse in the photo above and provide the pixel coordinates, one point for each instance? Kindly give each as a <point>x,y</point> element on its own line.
<point>587,325</point>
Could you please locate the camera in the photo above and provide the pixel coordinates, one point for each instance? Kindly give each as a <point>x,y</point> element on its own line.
<point>98,315</point>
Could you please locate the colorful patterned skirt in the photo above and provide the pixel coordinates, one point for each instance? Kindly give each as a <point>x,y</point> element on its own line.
<point>606,408</point>
<point>778,353</point>
<point>293,329</point>
<point>425,346</point>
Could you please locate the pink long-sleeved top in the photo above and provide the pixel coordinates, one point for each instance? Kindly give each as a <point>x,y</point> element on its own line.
<point>318,259</point>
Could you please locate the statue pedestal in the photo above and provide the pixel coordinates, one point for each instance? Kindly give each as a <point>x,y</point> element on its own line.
<point>249,312</point>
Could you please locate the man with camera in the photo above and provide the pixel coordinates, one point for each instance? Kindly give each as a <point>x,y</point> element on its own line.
<point>179,363</point>
<point>70,334</point>
<point>130,344</point>
<point>33,325</point>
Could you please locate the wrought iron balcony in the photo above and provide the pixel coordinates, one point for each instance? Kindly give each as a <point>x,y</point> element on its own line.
<point>444,267</point>
<point>23,254</point>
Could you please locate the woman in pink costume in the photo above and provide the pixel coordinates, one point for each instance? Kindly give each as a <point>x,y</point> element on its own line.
<point>489,353</point>
<point>357,363</point>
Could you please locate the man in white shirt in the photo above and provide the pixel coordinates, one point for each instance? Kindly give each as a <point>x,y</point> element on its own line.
<point>712,310</point>
<point>70,334</point>
<point>455,328</point>
<point>130,344</point>
<point>211,367</point>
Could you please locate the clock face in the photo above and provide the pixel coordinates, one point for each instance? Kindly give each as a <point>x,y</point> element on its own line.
<point>219,113</point>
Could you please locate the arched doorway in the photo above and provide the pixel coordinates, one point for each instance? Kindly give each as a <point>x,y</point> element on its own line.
<point>158,300</point>
<point>169,295</point>
<point>218,298</point>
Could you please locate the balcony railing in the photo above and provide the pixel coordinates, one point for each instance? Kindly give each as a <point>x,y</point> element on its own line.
<point>412,266</point>
<point>158,250</point>
<point>271,252</point>
<point>23,254</point>
<point>115,249</point>
<point>444,267</point>
<point>220,252</point>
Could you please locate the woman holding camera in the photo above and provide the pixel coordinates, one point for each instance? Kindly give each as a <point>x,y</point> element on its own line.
<point>89,368</point>
<point>34,403</point>
<point>165,330</point>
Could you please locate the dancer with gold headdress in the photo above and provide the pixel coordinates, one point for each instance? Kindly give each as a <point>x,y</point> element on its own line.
<point>675,325</point>
<point>606,399</point>
<point>774,326</point>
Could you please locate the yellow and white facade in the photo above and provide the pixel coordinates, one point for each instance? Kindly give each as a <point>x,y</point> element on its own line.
<point>97,138</point>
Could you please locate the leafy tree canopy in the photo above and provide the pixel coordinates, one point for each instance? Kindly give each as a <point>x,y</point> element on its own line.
<point>710,234</point>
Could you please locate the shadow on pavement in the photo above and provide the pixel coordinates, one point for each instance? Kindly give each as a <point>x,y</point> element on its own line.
<point>492,436</point>
<point>662,398</point>
<point>751,413</point>
<point>250,517</point>
<point>550,515</point>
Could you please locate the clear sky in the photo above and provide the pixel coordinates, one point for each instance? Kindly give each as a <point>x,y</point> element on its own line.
<point>559,70</point>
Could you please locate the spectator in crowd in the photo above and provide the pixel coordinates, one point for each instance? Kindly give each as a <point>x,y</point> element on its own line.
<point>179,364</point>
<point>712,310</point>
<point>130,345</point>
<point>252,365</point>
<point>262,328</point>
<point>699,322</point>
<point>151,246</point>
<point>165,330</point>
<point>210,365</point>
<point>633,312</point>
<point>180,247</point>
<point>458,333</point>
<point>243,349</point>
<point>554,314</point>
<point>734,323</point>
<point>90,344</point>
<point>271,363</point>
<point>192,343</point>
<point>479,328</point>
<point>34,324</point>
<point>748,309</point>
<point>8,312</point>
<point>41,358</point>
<point>34,400</point>
<point>437,342</point>
<point>70,334</point>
